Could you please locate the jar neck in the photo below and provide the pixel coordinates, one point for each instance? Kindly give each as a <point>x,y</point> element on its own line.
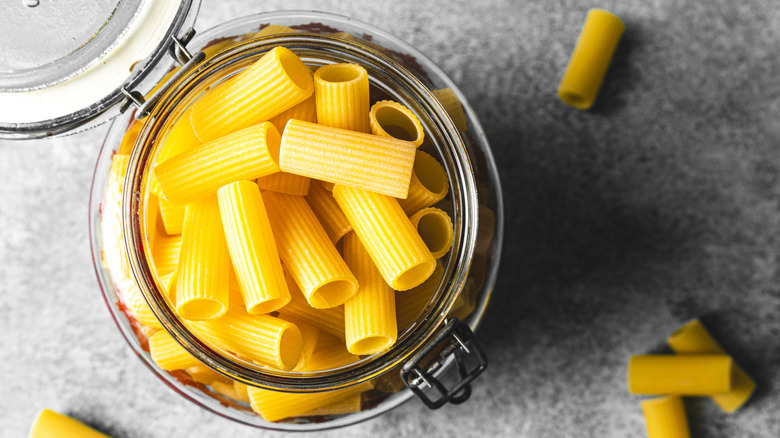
<point>400,85</point>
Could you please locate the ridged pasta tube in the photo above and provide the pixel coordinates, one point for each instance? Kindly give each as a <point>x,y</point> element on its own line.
<point>328,356</point>
<point>172,216</point>
<point>435,227</point>
<point>252,248</point>
<point>665,418</point>
<point>679,375</point>
<point>391,119</point>
<point>204,263</point>
<point>262,338</point>
<point>166,254</point>
<point>310,334</point>
<point>693,338</point>
<point>341,92</point>
<point>398,251</point>
<point>328,211</point>
<point>168,354</point>
<point>274,83</point>
<point>283,182</point>
<point>429,184</point>
<point>179,139</point>
<point>308,253</point>
<point>275,406</point>
<point>449,100</point>
<point>328,320</point>
<point>380,164</point>
<point>410,303</point>
<point>370,315</point>
<point>205,375</point>
<point>246,154</point>
<point>50,424</point>
<point>589,62</point>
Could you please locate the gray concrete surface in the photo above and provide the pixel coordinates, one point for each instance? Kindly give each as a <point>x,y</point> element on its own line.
<point>659,205</point>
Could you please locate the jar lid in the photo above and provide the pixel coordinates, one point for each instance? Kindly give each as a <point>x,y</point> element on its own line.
<point>68,66</point>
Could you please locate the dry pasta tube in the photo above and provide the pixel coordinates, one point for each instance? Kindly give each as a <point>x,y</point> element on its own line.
<point>166,254</point>
<point>370,315</point>
<point>329,321</point>
<point>328,356</point>
<point>262,338</point>
<point>391,119</point>
<point>693,338</point>
<point>204,263</point>
<point>591,57</point>
<point>180,138</point>
<point>449,100</point>
<point>310,334</point>
<point>347,406</point>
<point>50,424</point>
<point>131,135</point>
<point>275,406</point>
<point>242,393</point>
<point>172,216</point>
<point>679,375</point>
<point>229,390</point>
<point>379,164</point>
<point>429,184</point>
<point>168,354</point>
<point>243,155</point>
<point>151,210</point>
<point>398,251</point>
<point>665,418</point>
<point>168,283</point>
<point>410,303</point>
<point>328,212</point>
<point>252,248</point>
<point>308,253</point>
<point>435,227</point>
<point>274,83</point>
<point>204,375</point>
<point>341,93</point>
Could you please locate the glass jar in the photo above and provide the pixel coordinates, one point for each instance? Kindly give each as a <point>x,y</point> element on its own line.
<point>431,344</point>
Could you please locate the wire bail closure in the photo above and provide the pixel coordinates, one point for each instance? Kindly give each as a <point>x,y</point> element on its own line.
<point>455,339</point>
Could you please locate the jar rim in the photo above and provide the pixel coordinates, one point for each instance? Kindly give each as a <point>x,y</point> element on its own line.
<point>457,164</point>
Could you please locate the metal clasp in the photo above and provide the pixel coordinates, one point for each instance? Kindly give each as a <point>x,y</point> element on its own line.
<point>455,339</point>
<point>177,49</point>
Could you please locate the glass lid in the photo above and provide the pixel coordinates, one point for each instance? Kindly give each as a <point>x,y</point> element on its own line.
<point>64,64</point>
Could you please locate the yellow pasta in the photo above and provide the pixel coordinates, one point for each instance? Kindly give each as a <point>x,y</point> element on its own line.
<point>166,255</point>
<point>246,154</point>
<point>451,103</point>
<point>205,375</point>
<point>310,334</point>
<point>380,164</point>
<point>168,283</point>
<point>410,303</point>
<point>308,253</point>
<point>399,253</point>
<point>328,212</point>
<point>391,119</point>
<point>435,227</point>
<point>327,320</point>
<point>242,393</point>
<point>591,58</point>
<point>180,138</point>
<point>276,82</point>
<point>369,315</point>
<point>151,212</point>
<point>283,182</point>
<point>172,216</point>
<point>679,375</point>
<point>665,418</point>
<point>262,338</point>
<point>347,406</point>
<point>275,406</point>
<point>274,29</point>
<point>131,135</point>
<point>252,248</point>
<point>168,354</point>
<point>50,424</point>
<point>328,356</point>
<point>341,92</point>
<point>428,186</point>
<point>204,263</point>
<point>229,390</point>
<point>693,338</point>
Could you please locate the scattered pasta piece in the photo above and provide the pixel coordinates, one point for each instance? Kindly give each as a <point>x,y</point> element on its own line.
<point>665,418</point>
<point>50,424</point>
<point>679,375</point>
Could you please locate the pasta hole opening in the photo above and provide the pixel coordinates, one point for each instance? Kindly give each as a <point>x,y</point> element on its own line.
<point>295,68</point>
<point>414,276</point>
<point>397,124</point>
<point>332,294</point>
<point>290,347</point>
<point>430,174</point>
<point>340,73</point>
<point>574,99</point>
<point>435,230</point>
<point>268,306</point>
<point>273,142</point>
<point>371,345</point>
<point>201,309</point>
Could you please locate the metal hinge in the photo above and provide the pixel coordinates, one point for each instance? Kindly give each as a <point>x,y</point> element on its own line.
<point>178,51</point>
<point>455,339</point>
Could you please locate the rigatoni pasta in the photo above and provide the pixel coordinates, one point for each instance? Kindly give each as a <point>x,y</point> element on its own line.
<point>665,418</point>
<point>172,216</point>
<point>276,82</point>
<point>168,354</point>
<point>275,406</point>
<point>449,100</point>
<point>435,228</point>
<point>246,154</point>
<point>429,184</point>
<point>179,139</point>
<point>409,303</point>
<point>330,321</point>
<point>391,119</point>
<point>310,334</point>
<point>341,93</point>
<point>398,252</point>
<point>371,162</point>
<point>679,375</point>
<point>166,254</point>
<point>328,211</point>
<point>50,424</point>
<point>252,248</point>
